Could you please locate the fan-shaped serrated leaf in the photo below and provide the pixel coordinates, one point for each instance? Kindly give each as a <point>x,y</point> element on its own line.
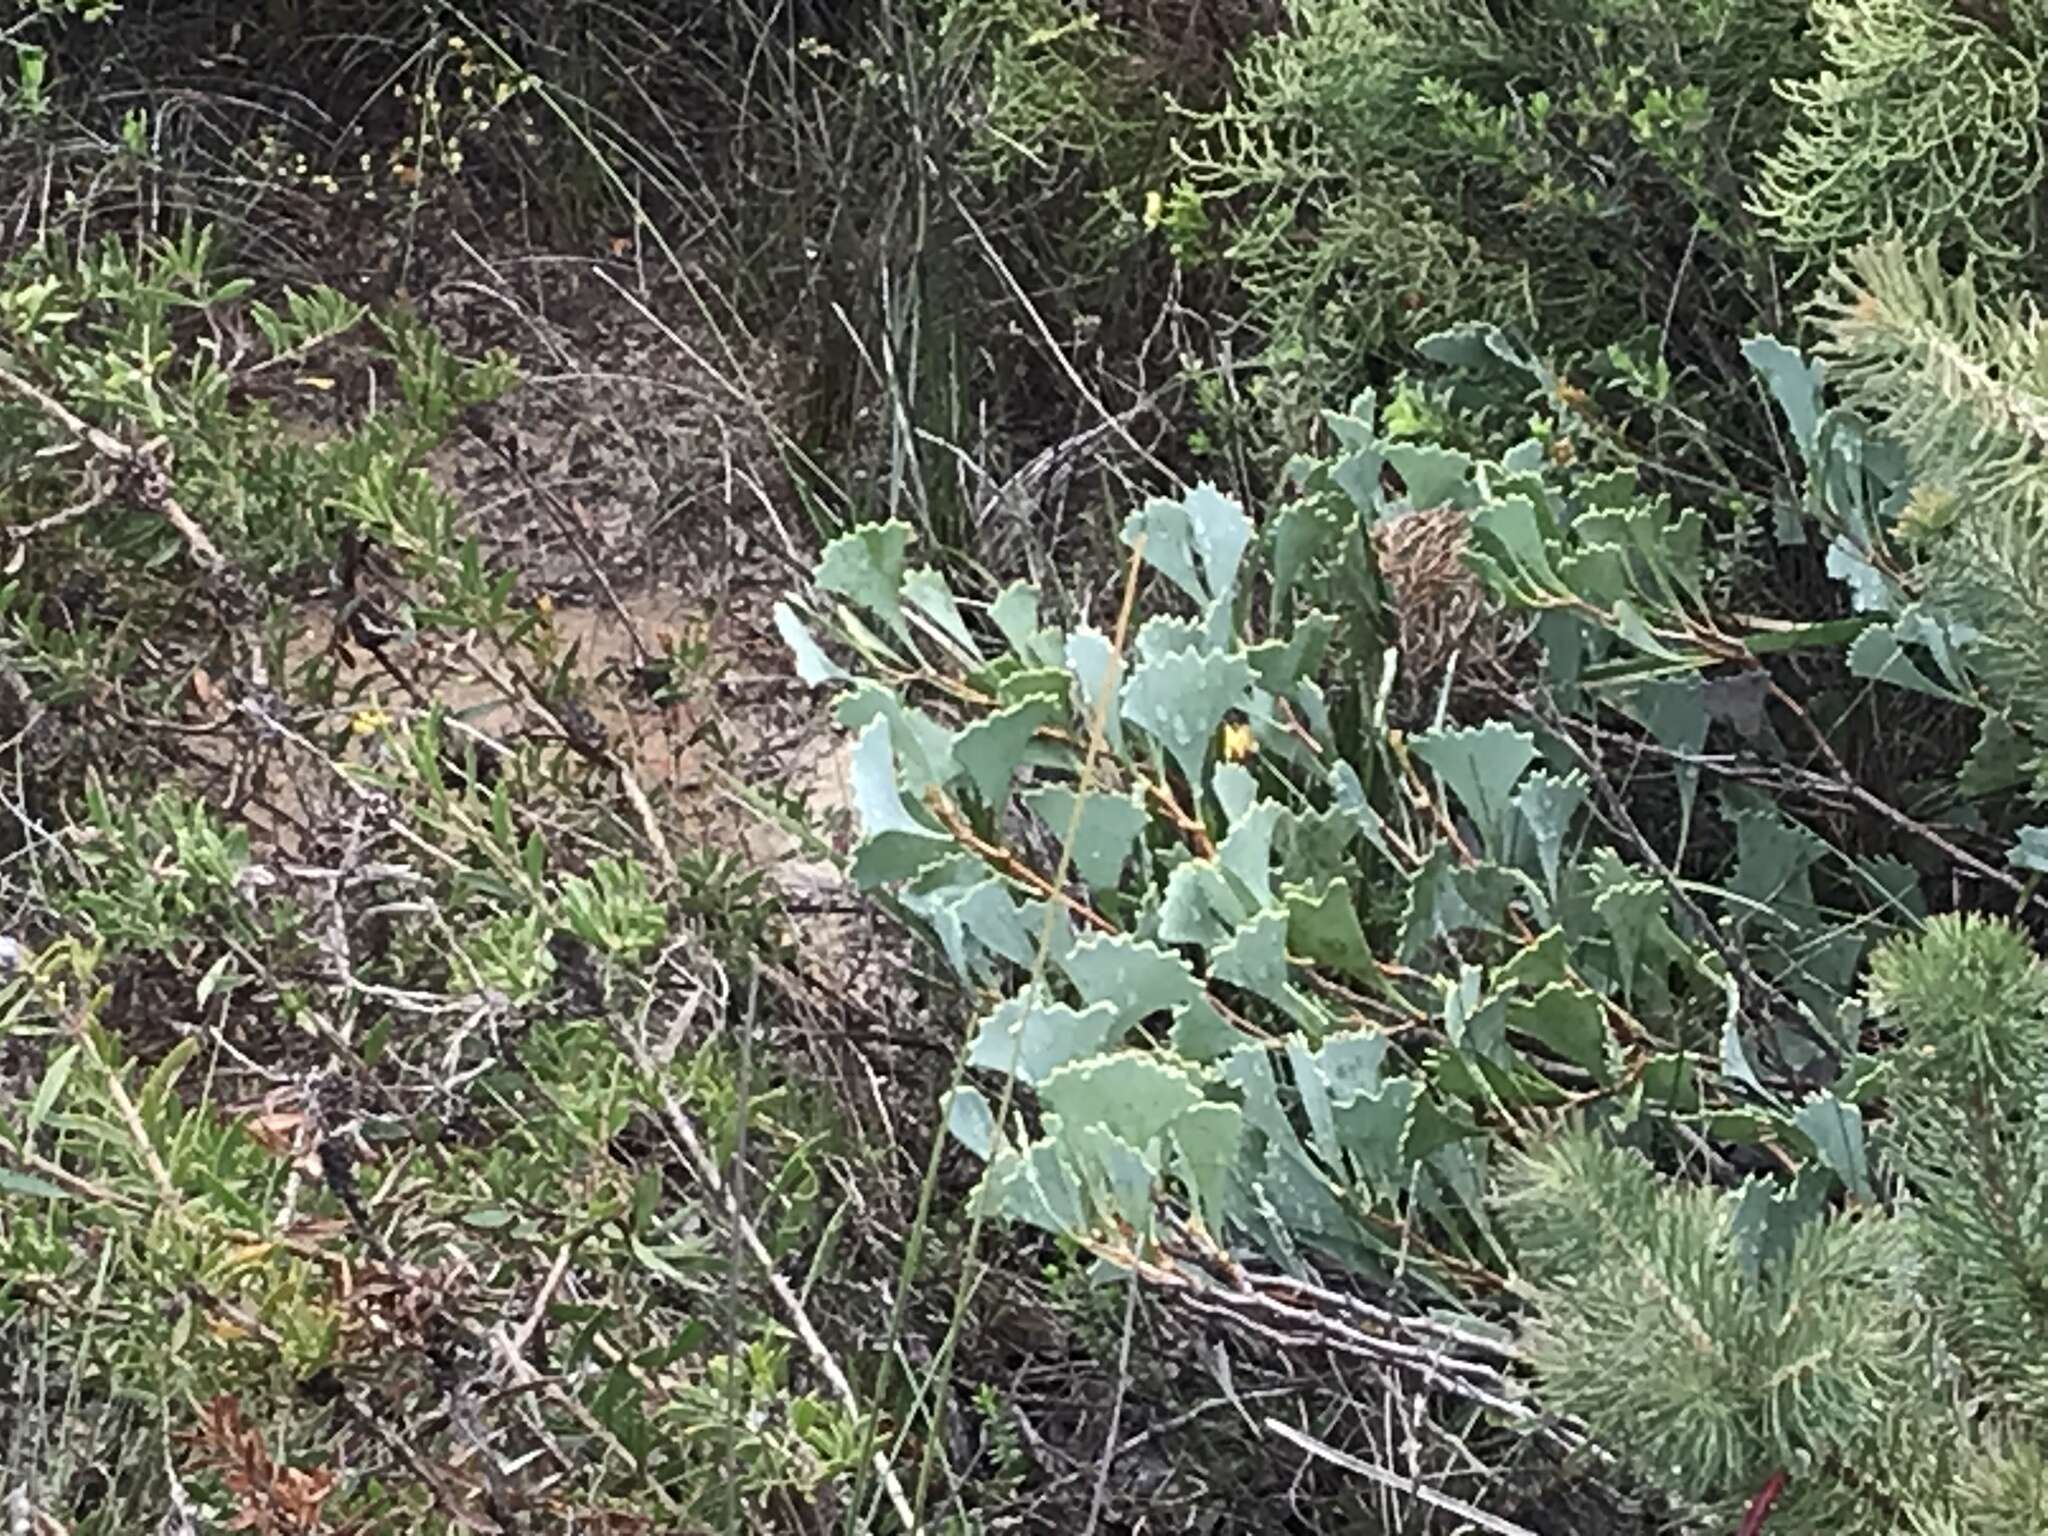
<point>1836,1131</point>
<point>1430,1127</point>
<point>1878,655</point>
<point>990,750</point>
<point>1202,1034</point>
<point>1631,908</point>
<point>1314,1094</point>
<point>1370,1127</point>
<point>1015,616</point>
<point>923,748</point>
<point>1167,635</point>
<point>1033,1186</point>
<point>1133,1094</point>
<point>1513,530</point>
<point>1108,829</point>
<point>1481,766</point>
<point>1351,1063</point>
<point>1323,926</point>
<point>1566,1021</point>
<point>866,564</point>
<point>971,1121</point>
<point>1281,665</point>
<point>1136,979</point>
<point>1199,906</point>
<point>1246,852</point>
<point>1630,624</point>
<point>1020,685</point>
<point>1168,542</point>
<point>1795,386</point>
<point>1299,1194</point>
<point>1051,927</point>
<point>1116,1178</point>
<point>1434,476</point>
<point>1255,957</point>
<point>1032,1040</point>
<point>1221,533</point>
<point>1444,899</point>
<point>1180,701</point>
<point>1235,790</point>
<point>1358,476</point>
<point>1095,666</point>
<point>894,844</point>
<point>1300,536</point>
<point>988,914</point>
<point>2030,850</point>
<point>1548,805</point>
<point>1476,1025</point>
<point>1768,1216</point>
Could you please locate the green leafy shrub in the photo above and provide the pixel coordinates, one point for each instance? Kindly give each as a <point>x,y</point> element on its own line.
<point>1925,124</point>
<point>345,1098</point>
<point>1272,956</point>
<point>1857,1371</point>
<point>1576,170</point>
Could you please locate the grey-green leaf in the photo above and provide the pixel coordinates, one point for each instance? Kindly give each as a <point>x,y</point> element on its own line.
<point>1548,804</point>
<point>1032,1040</point>
<point>813,666</point>
<point>866,564</point>
<point>1481,766</point>
<point>991,749</point>
<point>1181,700</point>
<point>1836,1131</point>
<point>1108,829</point>
<point>1135,1095</point>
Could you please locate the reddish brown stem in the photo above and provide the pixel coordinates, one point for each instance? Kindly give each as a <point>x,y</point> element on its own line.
<point>1760,1507</point>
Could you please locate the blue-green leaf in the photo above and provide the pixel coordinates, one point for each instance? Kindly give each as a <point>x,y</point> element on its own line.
<point>1434,476</point>
<point>1323,926</point>
<point>1134,1095</point>
<point>1109,828</point>
<point>1095,666</point>
<point>866,564</point>
<point>894,844</point>
<point>2031,850</point>
<point>813,666</point>
<point>923,747</point>
<point>1169,543</point>
<point>1794,383</point>
<point>1836,1131</point>
<point>1135,978</point>
<point>991,749</point>
<point>1015,614</point>
<point>1033,1040</point>
<point>1181,700</point>
<point>1481,766</point>
<point>1548,804</point>
<point>1878,655</point>
<point>971,1121</point>
<point>1033,1186</point>
<point>1207,1142</point>
<point>1567,1020</point>
<point>926,590</point>
<point>1255,957</point>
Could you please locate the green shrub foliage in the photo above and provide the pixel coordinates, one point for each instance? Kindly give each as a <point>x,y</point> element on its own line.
<point>1274,952</point>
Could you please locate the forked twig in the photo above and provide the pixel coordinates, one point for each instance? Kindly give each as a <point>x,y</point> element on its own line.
<point>143,471</point>
<point>705,1168</point>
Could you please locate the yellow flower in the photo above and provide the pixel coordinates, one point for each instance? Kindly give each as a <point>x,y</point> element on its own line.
<point>367,722</point>
<point>1237,742</point>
